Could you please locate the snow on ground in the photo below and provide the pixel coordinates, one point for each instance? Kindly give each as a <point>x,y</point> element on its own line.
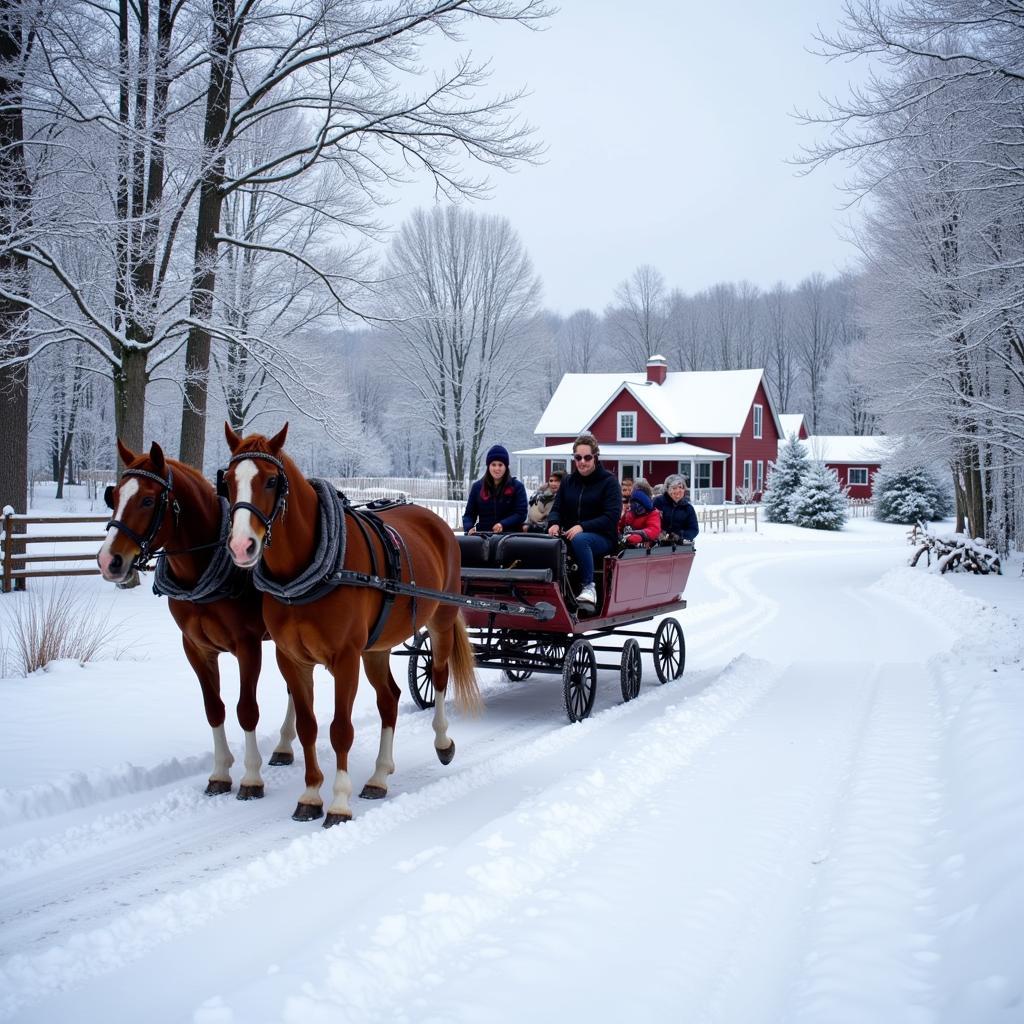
<point>823,821</point>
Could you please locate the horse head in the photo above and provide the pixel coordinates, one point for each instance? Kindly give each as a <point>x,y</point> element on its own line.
<point>140,502</point>
<point>257,488</point>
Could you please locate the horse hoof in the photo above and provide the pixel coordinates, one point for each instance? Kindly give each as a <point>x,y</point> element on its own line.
<point>373,792</point>
<point>250,792</point>
<point>281,757</point>
<point>333,819</point>
<point>216,787</point>
<point>308,812</point>
<point>445,756</point>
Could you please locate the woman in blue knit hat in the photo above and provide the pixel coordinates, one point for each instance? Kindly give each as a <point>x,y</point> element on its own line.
<point>497,501</point>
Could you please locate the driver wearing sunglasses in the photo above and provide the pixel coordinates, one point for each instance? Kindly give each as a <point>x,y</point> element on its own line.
<point>586,513</point>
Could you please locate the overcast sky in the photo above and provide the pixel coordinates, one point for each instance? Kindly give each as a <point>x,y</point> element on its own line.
<point>668,126</point>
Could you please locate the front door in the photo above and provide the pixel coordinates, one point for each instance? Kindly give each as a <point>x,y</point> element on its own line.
<point>630,471</point>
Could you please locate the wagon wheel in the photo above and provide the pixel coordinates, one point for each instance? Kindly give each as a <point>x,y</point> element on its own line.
<point>517,675</point>
<point>579,680</point>
<point>553,651</point>
<point>421,665</point>
<point>669,650</point>
<point>631,670</point>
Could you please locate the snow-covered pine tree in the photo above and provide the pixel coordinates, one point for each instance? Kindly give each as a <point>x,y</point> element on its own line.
<point>909,494</point>
<point>790,470</point>
<point>818,502</point>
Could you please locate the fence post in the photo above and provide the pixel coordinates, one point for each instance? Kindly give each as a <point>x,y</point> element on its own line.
<point>8,548</point>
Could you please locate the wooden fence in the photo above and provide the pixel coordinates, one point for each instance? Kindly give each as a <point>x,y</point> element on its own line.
<point>20,564</point>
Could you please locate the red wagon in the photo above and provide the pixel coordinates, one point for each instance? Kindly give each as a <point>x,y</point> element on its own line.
<point>532,571</point>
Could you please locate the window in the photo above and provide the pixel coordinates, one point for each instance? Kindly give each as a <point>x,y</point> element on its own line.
<point>858,476</point>
<point>627,426</point>
<point>747,468</point>
<point>630,471</point>
<point>758,421</point>
<point>760,475</point>
<point>702,475</point>
<point>562,464</point>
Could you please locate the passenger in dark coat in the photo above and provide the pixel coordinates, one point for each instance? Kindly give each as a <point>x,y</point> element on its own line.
<point>497,501</point>
<point>586,512</point>
<point>678,517</point>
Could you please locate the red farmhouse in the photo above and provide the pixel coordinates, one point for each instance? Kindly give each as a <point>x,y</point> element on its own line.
<point>717,428</point>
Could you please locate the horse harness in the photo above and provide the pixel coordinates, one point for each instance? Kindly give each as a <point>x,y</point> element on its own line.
<point>145,542</point>
<point>327,571</point>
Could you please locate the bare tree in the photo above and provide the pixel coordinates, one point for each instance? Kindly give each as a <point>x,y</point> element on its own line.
<point>15,200</point>
<point>780,369</point>
<point>463,294</point>
<point>638,317</point>
<point>814,333</point>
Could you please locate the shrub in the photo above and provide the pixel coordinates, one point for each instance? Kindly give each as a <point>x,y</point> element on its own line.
<point>818,502</point>
<point>910,495</point>
<point>52,623</point>
<point>788,474</point>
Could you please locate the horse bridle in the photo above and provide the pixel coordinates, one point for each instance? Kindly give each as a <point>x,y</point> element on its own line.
<point>166,498</point>
<point>280,498</point>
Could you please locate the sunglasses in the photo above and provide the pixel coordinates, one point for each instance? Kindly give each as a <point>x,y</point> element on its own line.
<point>584,458</point>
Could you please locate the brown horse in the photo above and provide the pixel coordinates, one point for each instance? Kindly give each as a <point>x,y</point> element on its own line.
<point>161,503</point>
<point>346,623</point>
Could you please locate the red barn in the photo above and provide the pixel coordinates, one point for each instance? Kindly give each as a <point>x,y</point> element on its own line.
<point>793,423</point>
<point>717,428</point>
<point>853,458</point>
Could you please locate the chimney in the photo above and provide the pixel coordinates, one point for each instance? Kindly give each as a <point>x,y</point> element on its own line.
<point>657,370</point>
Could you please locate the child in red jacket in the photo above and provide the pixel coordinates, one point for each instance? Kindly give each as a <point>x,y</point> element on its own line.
<point>641,523</point>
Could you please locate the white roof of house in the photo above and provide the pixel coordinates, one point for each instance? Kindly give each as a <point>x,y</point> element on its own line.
<point>791,423</point>
<point>712,403</point>
<point>650,452</point>
<point>850,447</point>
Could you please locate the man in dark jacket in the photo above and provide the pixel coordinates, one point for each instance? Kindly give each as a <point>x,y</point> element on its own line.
<point>586,512</point>
<point>678,518</point>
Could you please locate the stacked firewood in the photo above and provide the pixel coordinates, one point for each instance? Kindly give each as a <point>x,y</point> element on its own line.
<point>953,553</point>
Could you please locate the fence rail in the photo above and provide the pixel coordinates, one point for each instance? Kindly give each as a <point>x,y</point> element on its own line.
<point>717,520</point>
<point>19,564</point>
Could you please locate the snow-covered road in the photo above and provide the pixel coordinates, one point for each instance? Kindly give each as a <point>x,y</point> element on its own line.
<point>792,831</point>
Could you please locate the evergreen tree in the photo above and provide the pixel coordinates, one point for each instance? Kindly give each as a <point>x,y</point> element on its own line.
<point>790,470</point>
<point>818,502</point>
<point>909,495</point>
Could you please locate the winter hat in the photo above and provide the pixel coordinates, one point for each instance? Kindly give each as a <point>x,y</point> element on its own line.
<point>497,453</point>
<point>640,503</point>
<point>640,484</point>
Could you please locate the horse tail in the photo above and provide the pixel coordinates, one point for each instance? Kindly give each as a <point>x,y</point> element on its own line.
<point>463,670</point>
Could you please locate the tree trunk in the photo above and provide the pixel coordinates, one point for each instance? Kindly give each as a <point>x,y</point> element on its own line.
<point>14,219</point>
<point>204,275</point>
<point>130,399</point>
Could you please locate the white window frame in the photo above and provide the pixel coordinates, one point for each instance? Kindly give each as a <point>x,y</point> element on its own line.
<point>621,420</point>
<point>760,476</point>
<point>697,483</point>
<point>758,422</point>
<point>850,482</point>
<point>748,473</point>
<point>562,464</point>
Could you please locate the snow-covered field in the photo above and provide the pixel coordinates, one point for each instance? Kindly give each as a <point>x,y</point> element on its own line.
<point>823,820</point>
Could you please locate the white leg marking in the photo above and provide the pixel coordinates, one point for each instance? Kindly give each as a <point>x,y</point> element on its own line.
<point>128,491</point>
<point>253,761</point>
<point>284,744</point>
<point>441,740</point>
<point>385,759</point>
<point>241,522</point>
<point>342,792</point>
<point>222,759</point>
<point>311,796</point>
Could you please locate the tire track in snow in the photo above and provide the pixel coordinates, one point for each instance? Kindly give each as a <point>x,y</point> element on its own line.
<point>873,930</point>
<point>26,978</point>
